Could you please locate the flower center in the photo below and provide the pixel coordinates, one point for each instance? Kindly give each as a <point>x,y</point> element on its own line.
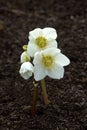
<point>47,61</point>
<point>26,58</point>
<point>41,42</point>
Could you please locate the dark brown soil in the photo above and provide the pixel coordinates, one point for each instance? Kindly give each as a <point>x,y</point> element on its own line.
<point>68,108</point>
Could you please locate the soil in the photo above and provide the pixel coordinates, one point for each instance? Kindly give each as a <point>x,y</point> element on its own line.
<point>68,96</point>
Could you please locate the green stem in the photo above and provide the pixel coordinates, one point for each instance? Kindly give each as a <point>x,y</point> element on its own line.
<point>44,92</point>
<point>34,99</point>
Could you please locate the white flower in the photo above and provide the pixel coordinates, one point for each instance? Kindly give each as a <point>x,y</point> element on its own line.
<point>50,63</point>
<point>40,39</point>
<point>24,57</point>
<point>26,70</point>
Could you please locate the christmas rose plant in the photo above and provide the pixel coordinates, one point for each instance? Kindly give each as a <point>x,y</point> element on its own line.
<point>42,58</point>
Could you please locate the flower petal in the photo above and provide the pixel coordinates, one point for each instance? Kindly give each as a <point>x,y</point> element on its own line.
<point>37,58</point>
<point>35,33</point>
<point>39,72</point>
<point>22,57</point>
<point>26,75</point>
<point>31,49</point>
<point>52,43</point>
<point>51,51</point>
<point>57,72</point>
<point>62,59</point>
<point>50,33</point>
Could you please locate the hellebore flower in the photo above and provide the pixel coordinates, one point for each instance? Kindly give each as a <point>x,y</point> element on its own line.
<point>49,62</point>
<point>26,70</point>
<point>40,39</point>
<point>24,57</point>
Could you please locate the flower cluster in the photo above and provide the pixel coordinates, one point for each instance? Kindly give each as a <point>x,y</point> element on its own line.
<point>41,57</point>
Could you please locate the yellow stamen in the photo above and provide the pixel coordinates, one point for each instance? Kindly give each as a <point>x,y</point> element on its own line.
<point>26,58</point>
<point>47,61</point>
<point>41,42</point>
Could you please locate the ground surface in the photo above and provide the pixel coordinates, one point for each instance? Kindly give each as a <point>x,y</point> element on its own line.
<point>68,110</point>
